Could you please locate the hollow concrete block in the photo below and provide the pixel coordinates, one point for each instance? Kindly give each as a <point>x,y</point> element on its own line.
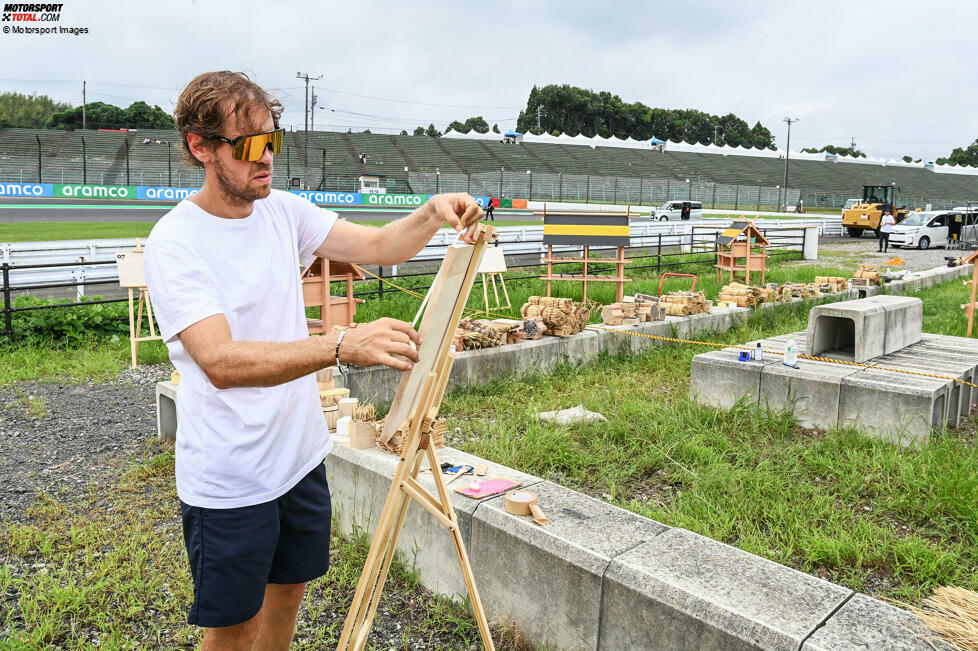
<point>850,330</point>
<point>937,363</point>
<point>684,591</point>
<point>552,575</point>
<point>896,407</point>
<point>811,391</point>
<point>904,319</point>
<point>718,378</point>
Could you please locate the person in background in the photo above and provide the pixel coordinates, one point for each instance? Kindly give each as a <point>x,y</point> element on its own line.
<point>489,209</point>
<point>886,225</point>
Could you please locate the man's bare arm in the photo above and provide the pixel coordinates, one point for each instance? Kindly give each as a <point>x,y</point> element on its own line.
<point>400,240</point>
<point>229,363</point>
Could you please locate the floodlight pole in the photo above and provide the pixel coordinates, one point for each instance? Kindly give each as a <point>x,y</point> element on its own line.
<point>787,154</point>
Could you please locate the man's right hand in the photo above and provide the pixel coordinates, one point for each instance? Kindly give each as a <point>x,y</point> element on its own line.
<point>384,341</point>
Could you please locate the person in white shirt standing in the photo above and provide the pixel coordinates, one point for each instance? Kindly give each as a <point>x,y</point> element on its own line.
<point>223,268</point>
<point>886,227</point>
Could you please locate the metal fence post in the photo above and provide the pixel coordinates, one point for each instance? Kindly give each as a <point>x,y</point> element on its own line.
<point>39,177</point>
<point>380,289</point>
<point>7,323</point>
<point>588,199</point>
<point>84,162</point>
<point>714,204</point>
<point>658,257</point>
<point>127,160</point>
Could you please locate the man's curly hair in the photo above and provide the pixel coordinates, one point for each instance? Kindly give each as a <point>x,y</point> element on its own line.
<point>211,98</point>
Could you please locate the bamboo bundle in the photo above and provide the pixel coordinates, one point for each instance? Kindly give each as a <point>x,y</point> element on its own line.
<point>563,304</point>
<point>695,301</point>
<point>562,316</point>
<point>480,334</point>
<point>740,294</point>
<point>678,309</point>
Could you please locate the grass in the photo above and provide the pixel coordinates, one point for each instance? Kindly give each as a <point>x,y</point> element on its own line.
<point>48,231</point>
<point>95,359</point>
<point>884,520</point>
<point>109,570</point>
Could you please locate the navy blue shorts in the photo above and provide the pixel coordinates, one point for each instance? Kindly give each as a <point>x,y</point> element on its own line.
<point>235,553</point>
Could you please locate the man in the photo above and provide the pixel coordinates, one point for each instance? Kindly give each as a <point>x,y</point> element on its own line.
<point>886,226</point>
<point>223,270</point>
<point>489,209</point>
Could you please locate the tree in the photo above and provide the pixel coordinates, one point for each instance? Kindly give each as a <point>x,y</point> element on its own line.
<point>456,126</point>
<point>139,115</point>
<point>571,110</point>
<point>495,128</point>
<point>27,111</point>
<point>419,131</point>
<point>837,150</point>
<point>477,124</point>
<point>910,159</point>
<point>966,156</point>
<point>403,132</point>
<point>432,131</point>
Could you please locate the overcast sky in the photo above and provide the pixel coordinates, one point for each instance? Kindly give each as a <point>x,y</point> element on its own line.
<point>900,77</point>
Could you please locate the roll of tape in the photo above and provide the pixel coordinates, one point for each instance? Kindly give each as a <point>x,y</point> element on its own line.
<point>523,502</point>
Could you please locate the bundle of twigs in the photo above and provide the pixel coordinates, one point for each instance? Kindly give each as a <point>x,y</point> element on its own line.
<point>436,434</point>
<point>685,303</point>
<point>741,295</point>
<point>953,613</point>
<point>562,316</point>
<point>364,413</point>
<point>478,334</point>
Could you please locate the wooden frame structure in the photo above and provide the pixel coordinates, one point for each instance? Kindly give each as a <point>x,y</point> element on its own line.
<point>333,310</point>
<point>131,276</point>
<point>735,251</point>
<point>587,229</point>
<point>412,413</point>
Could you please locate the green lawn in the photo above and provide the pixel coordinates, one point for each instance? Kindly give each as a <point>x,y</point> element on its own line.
<point>884,520</point>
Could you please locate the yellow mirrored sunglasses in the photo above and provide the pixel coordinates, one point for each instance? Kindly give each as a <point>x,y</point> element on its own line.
<point>252,147</point>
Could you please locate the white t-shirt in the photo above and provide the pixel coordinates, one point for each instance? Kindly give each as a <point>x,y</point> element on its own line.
<point>886,224</point>
<point>241,446</point>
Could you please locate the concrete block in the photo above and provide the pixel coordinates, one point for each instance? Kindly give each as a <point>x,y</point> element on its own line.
<point>856,293</point>
<point>703,323</point>
<point>904,319</point>
<point>552,575</point>
<point>850,330</point>
<point>359,483</point>
<point>938,363</point>
<point>811,391</point>
<point>679,325</point>
<point>896,407</point>
<point>718,378</point>
<point>685,591</point>
<point>166,411</point>
<point>864,623</point>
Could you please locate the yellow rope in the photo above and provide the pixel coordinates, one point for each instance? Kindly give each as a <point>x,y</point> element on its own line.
<point>472,311</point>
<point>775,352</point>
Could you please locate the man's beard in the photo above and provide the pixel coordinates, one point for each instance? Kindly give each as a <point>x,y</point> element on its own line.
<point>239,193</point>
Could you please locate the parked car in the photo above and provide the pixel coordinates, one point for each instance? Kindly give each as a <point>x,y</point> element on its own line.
<point>934,228</point>
<point>676,210</point>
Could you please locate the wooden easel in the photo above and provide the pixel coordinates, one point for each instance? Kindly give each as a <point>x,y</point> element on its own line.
<point>493,266</point>
<point>131,276</point>
<point>413,412</point>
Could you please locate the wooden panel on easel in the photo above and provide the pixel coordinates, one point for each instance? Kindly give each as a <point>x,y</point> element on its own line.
<point>449,294</point>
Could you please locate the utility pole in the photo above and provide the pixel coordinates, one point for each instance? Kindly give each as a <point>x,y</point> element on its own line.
<point>787,155</point>
<point>539,113</point>
<point>312,116</point>
<point>305,148</point>
<point>852,146</point>
<point>84,107</point>
<point>715,128</point>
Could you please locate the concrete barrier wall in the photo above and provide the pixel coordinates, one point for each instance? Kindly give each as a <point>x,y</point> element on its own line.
<point>600,577</point>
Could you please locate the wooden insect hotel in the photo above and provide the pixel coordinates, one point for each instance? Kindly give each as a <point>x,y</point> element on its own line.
<point>587,230</point>
<point>741,248</point>
<point>333,310</point>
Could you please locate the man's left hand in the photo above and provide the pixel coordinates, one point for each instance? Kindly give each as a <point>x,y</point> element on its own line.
<point>460,211</point>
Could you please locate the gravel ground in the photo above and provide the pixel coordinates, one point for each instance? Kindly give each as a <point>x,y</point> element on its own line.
<point>866,248</point>
<point>57,439</point>
<point>62,440</point>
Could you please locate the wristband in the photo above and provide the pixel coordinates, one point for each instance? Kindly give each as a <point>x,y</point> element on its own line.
<point>339,340</point>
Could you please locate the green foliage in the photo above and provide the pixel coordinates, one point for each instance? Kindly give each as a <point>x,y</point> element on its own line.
<point>27,111</point>
<point>419,131</point>
<point>432,131</point>
<point>911,159</point>
<point>966,156</point>
<point>69,325</point>
<point>832,149</point>
<point>571,110</point>
<point>99,115</point>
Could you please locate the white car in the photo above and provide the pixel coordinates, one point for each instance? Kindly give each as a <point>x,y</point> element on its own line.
<point>676,210</point>
<point>932,228</point>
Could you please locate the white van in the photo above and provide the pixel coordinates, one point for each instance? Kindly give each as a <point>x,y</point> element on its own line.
<point>677,209</point>
<point>933,228</point>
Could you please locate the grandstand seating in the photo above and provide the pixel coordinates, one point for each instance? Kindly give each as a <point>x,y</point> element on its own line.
<point>333,164</point>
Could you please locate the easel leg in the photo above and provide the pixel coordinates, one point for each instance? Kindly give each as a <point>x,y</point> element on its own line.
<point>495,290</point>
<point>149,313</point>
<point>132,330</point>
<point>485,290</point>
<point>502,281</point>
